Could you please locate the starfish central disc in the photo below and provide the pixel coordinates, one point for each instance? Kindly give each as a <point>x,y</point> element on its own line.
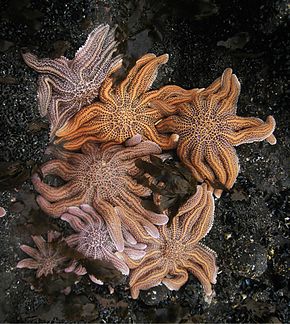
<point>172,250</point>
<point>100,177</point>
<point>92,241</point>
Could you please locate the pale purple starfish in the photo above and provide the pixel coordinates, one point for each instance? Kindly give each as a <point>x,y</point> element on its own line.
<point>46,259</point>
<point>94,240</point>
<point>65,86</point>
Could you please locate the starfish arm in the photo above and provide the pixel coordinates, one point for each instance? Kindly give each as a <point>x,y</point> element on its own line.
<point>179,279</point>
<point>142,149</point>
<point>41,271</point>
<point>254,134</point>
<point>134,254</point>
<point>205,258</point>
<point>92,50</point>
<point>198,222</point>
<point>76,144</point>
<point>88,214</point>
<point>145,76</point>
<point>56,209</point>
<point>117,263</point>
<point>60,111</point>
<point>149,274</point>
<point>75,124</point>
<point>134,140</point>
<point>138,226</point>
<point>125,84</point>
<point>224,90</point>
<point>136,230</point>
<point>135,204</point>
<point>214,158</point>
<point>91,149</point>
<point>229,104</point>
<point>199,273</point>
<point>65,156</point>
<point>59,168</point>
<point>184,153</point>
<point>52,236</point>
<point>106,94</point>
<point>212,88</point>
<point>162,107</point>
<point>128,237</point>
<point>53,194</point>
<point>229,163</point>
<point>44,94</point>
<point>40,243</point>
<point>190,216</point>
<point>198,161</point>
<point>166,142</point>
<point>193,201</point>
<point>35,254</point>
<point>98,71</point>
<point>113,222</point>
<point>73,239</point>
<point>138,189</point>
<point>28,264</point>
<point>57,67</point>
<point>169,124</point>
<point>152,280</point>
<point>75,222</point>
<point>174,95</point>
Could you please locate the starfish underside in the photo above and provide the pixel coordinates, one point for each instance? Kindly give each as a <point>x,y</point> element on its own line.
<point>46,259</point>
<point>94,240</point>
<point>101,177</point>
<point>209,128</point>
<point>125,110</point>
<point>177,250</point>
<point>65,86</point>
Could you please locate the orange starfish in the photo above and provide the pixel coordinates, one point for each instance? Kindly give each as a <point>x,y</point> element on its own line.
<point>177,250</point>
<point>125,110</point>
<point>208,128</point>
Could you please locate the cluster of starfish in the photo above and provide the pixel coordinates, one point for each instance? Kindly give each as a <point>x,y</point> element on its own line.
<point>95,153</point>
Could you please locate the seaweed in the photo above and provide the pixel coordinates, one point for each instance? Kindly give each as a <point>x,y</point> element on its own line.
<point>13,174</point>
<point>170,181</point>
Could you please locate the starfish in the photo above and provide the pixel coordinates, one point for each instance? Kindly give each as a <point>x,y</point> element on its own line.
<point>94,240</point>
<point>177,250</point>
<point>208,128</point>
<point>47,259</point>
<point>65,86</point>
<point>101,177</point>
<point>125,110</point>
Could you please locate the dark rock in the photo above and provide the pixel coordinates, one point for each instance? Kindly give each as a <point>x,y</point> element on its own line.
<point>250,260</point>
<point>154,295</point>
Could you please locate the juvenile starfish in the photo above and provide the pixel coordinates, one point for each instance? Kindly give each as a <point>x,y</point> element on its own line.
<point>177,250</point>
<point>47,259</point>
<point>208,128</point>
<point>94,240</point>
<point>125,110</point>
<point>101,177</point>
<point>65,86</point>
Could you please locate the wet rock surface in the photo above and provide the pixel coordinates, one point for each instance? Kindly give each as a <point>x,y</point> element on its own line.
<point>250,234</point>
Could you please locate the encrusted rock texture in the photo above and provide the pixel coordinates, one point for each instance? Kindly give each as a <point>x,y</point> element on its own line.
<point>202,38</point>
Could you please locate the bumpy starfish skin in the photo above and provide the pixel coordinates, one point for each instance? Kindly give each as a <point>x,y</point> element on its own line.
<point>46,259</point>
<point>65,86</point>
<point>94,240</point>
<point>208,128</point>
<point>100,176</point>
<point>125,110</point>
<point>177,250</point>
